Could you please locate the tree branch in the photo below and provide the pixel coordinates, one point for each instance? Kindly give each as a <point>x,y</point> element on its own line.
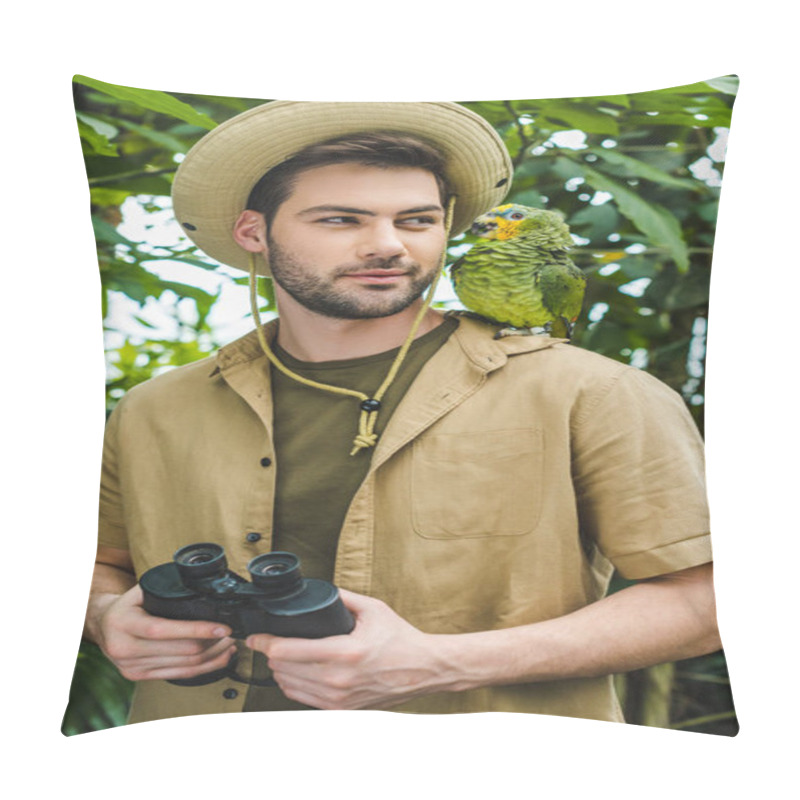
<point>120,176</point>
<point>526,142</point>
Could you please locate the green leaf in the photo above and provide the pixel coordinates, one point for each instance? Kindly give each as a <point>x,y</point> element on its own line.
<point>685,120</point>
<point>165,140</point>
<point>729,84</point>
<point>529,197</point>
<point>226,107</point>
<point>639,168</point>
<point>697,88</point>
<point>572,115</point>
<point>99,696</point>
<point>494,112</point>
<point>596,222</point>
<point>143,321</point>
<point>634,267</point>
<point>691,292</point>
<point>613,99</point>
<point>100,126</point>
<point>679,108</point>
<point>97,142</point>
<point>184,290</point>
<point>194,262</point>
<point>103,196</point>
<point>104,232</point>
<point>655,221</point>
<point>161,102</point>
<point>142,183</point>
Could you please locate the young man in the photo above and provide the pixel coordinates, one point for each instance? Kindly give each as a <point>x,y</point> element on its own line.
<point>474,525</point>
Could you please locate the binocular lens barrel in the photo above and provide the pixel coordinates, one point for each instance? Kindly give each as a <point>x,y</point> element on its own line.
<point>276,573</point>
<point>203,560</point>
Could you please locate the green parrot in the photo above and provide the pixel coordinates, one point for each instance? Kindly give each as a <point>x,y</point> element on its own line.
<point>521,276</point>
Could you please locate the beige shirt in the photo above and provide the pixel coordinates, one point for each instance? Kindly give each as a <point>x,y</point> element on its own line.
<point>513,476</point>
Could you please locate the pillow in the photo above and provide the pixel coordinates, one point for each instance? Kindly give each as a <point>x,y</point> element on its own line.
<point>636,178</point>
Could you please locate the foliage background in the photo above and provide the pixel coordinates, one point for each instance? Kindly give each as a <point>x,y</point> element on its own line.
<point>638,177</point>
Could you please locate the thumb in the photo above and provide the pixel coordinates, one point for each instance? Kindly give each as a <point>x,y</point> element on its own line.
<point>360,604</point>
<point>133,597</point>
<point>260,642</point>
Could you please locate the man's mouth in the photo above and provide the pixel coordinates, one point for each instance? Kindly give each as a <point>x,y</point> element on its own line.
<point>377,275</point>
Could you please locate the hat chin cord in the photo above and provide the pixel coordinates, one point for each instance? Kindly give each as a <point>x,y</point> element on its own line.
<point>370,406</point>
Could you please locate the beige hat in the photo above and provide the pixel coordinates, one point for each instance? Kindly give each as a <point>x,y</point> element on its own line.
<point>213,182</point>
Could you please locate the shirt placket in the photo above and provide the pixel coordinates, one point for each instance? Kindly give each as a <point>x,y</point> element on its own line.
<point>250,380</point>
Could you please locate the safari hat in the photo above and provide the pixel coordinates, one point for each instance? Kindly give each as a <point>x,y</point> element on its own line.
<point>213,182</point>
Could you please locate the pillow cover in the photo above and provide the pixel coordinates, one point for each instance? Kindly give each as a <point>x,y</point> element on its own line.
<point>635,177</point>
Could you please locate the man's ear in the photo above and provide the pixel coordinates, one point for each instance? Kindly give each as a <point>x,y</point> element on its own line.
<point>250,231</point>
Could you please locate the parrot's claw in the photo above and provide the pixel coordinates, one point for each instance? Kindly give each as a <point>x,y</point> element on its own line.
<point>510,330</point>
<point>561,328</point>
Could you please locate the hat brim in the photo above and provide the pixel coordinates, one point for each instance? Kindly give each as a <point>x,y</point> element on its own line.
<point>215,179</point>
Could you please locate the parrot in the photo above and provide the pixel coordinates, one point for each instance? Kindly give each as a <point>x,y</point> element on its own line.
<point>521,276</point>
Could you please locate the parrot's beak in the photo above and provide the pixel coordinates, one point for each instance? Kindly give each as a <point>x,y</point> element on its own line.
<point>482,226</point>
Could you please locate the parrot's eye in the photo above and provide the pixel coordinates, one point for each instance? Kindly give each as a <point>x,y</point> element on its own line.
<point>517,215</point>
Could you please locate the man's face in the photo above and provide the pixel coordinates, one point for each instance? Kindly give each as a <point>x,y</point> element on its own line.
<point>357,242</point>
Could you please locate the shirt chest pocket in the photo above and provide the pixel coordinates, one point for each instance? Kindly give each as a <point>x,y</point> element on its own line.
<point>477,485</point>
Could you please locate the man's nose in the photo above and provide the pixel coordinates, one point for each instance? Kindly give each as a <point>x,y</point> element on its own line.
<point>381,240</point>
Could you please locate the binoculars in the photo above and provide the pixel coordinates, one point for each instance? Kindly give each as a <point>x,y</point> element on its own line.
<point>197,585</point>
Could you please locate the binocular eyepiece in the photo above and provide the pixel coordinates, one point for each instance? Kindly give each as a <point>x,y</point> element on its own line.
<point>204,568</point>
<point>197,585</point>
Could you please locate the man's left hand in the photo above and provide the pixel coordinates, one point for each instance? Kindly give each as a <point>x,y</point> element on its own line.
<point>382,662</point>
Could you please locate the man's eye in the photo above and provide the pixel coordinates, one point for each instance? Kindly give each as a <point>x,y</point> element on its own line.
<point>418,221</point>
<point>338,220</point>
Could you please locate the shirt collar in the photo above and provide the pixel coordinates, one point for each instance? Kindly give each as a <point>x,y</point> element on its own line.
<point>476,339</point>
<point>246,348</point>
<point>474,336</point>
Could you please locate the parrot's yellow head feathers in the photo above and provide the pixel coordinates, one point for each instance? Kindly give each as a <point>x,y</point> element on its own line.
<point>511,221</point>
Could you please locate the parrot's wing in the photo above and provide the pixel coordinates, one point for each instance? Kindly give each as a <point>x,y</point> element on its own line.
<point>563,286</point>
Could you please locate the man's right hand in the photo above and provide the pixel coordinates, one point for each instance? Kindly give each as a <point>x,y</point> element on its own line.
<point>144,647</point>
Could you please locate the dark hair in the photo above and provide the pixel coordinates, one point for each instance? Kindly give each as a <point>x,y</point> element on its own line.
<point>385,149</point>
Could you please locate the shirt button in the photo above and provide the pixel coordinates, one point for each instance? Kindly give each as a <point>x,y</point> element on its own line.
<point>229,694</point>
<point>265,462</point>
<point>253,537</point>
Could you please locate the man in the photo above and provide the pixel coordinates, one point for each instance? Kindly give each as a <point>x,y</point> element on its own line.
<point>470,496</point>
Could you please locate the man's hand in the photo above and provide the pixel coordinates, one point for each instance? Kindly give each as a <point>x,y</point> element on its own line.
<point>386,661</point>
<point>382,662</point>
<point>144,647</point>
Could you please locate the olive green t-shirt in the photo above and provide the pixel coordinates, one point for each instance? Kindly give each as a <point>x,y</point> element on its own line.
<point>316,476</point>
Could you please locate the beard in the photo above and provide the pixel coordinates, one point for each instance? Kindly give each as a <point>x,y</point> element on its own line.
<point>325,294</point>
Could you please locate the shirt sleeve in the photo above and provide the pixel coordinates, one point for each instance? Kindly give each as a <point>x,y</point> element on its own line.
<point>639,474</point>
<point>111,526</point>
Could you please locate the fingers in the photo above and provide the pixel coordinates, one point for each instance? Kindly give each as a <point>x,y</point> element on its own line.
<point>139,623</point>
<point>202,658</point>
<point>191,657</point>
<point>121,645</point>
<point>169,668</point>
<point>145,626</point>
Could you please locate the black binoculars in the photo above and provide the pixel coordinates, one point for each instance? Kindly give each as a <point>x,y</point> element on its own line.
<point>197,585</point>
